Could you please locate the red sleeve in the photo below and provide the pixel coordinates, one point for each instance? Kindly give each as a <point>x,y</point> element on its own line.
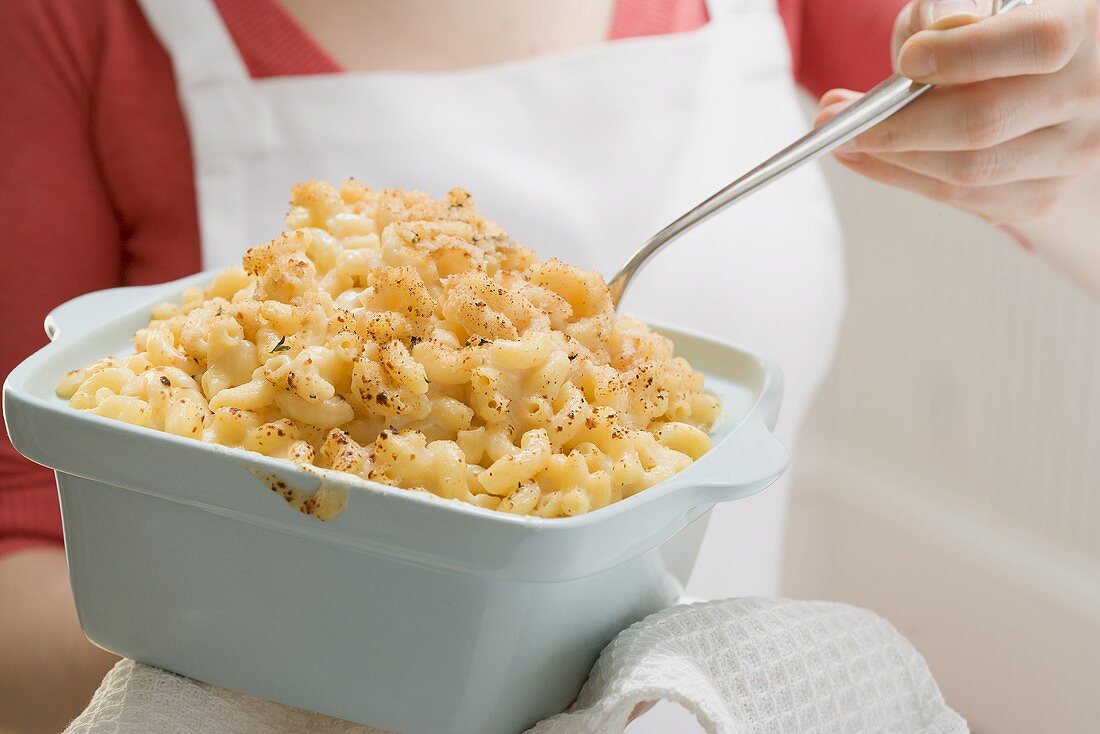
<point>840,44</point>
<point>61,237</point>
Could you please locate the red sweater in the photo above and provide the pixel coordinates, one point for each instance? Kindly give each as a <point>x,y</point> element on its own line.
<point>96,186</point>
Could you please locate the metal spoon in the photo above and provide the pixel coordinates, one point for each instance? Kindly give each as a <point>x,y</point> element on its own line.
<point>878,104</point>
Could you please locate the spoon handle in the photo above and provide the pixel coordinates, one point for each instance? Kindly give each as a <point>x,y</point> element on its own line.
<point>875,106</point>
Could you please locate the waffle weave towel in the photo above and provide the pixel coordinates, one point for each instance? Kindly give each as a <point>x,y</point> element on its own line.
<point>741,666</point>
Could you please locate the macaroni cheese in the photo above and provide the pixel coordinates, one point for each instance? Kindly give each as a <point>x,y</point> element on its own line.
<point>409,341</point>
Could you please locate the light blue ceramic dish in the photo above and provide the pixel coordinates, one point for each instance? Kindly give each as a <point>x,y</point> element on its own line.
<point>405,612</point>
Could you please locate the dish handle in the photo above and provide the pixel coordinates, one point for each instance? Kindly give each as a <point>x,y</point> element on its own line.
<point>747,464</point>
<point>750,460</point>
<point>83,313</point>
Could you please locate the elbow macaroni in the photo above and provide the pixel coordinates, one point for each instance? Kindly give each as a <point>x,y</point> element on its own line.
<point>409,341</point>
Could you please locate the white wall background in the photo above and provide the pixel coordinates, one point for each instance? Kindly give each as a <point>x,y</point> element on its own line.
<point>949,475</point>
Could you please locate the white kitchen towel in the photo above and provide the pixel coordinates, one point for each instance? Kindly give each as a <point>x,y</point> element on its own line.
<point>752,665</point>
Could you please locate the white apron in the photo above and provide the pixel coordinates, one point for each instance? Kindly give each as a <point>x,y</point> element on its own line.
<point>580,155</point>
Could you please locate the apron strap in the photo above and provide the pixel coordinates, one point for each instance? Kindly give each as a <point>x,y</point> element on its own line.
<point>722,9</point>
<point>199,44</point>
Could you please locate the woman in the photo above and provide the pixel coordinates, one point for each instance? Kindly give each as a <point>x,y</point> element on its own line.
<point>580,148</point>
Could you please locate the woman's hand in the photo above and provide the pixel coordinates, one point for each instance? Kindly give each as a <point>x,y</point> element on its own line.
<point>48,669</point>
<point>1016,126</point>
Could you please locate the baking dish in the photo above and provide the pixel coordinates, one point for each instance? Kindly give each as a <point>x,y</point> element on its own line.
<point>405,612</point>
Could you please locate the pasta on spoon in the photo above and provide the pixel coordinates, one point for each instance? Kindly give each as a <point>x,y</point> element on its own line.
<point>409,341</point>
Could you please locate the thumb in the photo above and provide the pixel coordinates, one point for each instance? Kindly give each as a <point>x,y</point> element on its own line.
<point>923,15</point>
<point>943,14</point>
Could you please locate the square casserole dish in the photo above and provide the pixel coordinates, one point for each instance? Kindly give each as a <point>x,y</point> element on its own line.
<point>405,612</point>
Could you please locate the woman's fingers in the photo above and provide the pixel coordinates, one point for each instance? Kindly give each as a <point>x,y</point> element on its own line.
<point>1053,152</point>
<point>1014,202</point>
<point>1035,39</point>
<point>969,117</point>
<point>1017,116</point>
<point>834,96</point>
